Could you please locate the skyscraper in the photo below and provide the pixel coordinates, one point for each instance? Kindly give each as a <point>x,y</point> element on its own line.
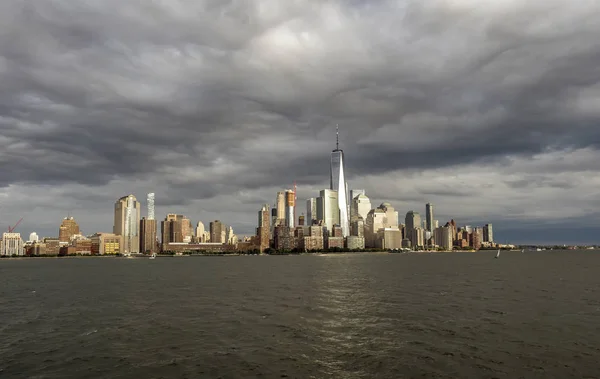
<point>150,200</point>
<point>360,206</point>
<point>127,216</point>
<point>488,233</point>
<point>148,228</point>
<point>412,220</point>
<point>264,228</point>
<point>280,201</point>
<point>290,204</point>
<point>311,210</point>
<point>217,231</point>
<point>67,229</point>
<point>338,183</point>
<point>429,217</point>
<point>327,209</point>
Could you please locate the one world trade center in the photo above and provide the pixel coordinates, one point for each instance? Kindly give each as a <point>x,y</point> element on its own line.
<point>338,183</point>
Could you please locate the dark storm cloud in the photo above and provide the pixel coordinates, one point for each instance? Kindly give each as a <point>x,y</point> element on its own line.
<point>206,98</point>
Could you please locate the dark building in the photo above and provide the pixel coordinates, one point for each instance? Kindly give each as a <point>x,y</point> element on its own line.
<point>216,231</point>
<point>147,236</point>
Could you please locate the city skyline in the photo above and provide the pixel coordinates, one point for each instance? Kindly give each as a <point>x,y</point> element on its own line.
<point>491,115</point>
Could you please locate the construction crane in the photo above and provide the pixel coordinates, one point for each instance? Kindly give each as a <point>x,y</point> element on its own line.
<point>10,230</point>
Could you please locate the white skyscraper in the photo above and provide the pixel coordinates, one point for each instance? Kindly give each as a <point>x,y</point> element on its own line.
<point>311,210</point>
<point>338,183</point>
<point>151,206</point>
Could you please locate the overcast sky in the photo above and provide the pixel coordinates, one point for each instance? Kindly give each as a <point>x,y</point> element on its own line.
<point>489,110</point>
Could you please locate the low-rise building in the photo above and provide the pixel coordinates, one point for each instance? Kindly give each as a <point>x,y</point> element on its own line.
<point>105,244</point>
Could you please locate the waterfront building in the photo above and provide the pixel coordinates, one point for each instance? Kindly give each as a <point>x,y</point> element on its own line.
<point>358,228</point>
<point>417,237</point>
<point>126,224</point>
<point>338,184</point>
<point>217,232</point>
<point>381,218</point>
<point>335,242</point>
<point>443,237</point>
<point>355,242</point>
<point>67,229</point>
<point>389,238</point>
<point>105,244</point>
<point>476,238</point>
<point>12,244</point>
<point>148,230</point>
<point>488,233</point>
<point>429,217</point>
<point>171,229</point>
<point>283,239</point>
<point>328,208</point>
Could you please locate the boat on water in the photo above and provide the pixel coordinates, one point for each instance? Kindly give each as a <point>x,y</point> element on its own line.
<point>497,254</point>
<point>153,256</point>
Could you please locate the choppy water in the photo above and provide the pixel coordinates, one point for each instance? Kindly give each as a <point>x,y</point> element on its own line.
<point>459,315</point>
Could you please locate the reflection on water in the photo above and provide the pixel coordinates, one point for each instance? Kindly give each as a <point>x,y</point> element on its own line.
<point>348,316</point>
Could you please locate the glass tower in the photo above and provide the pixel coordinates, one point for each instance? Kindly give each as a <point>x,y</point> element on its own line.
<point>338,183</point>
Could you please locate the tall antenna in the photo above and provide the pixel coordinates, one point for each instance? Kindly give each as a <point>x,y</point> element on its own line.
<point>337,136</point>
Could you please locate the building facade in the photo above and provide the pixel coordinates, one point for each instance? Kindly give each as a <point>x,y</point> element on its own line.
<point>68,228</point>
<point>217,232</point>
<point>328,208</point>
<point>127,224</point>
<point>148,230</point>
<point>338,184</point>
<point>264,228</point>
<point>12,244</point>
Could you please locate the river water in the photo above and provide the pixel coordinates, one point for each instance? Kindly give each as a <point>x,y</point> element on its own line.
<point>439,315</point>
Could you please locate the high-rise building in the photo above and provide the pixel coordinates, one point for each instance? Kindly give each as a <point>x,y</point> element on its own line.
<point>290,206</point>
<point>148,235</point>
<point>429,217</point>
<point>280,201</point>
<point>187,230</point>
<point>67,229</point>
<point>264,228</point>
<point>353,194</point>
<point>327,209</point>
<point>217,231</point>
<point>338,184</point>
<point>148,228</point>
<point>412,221</point>
<point>443,237</point>
<point>200,232</point>
<point>311,211</point>
<point>171,229</point>
<point>12,244</point>
<point>361,206</point>
<point>150,200</point>
<point>488,233</point>
<point>127,223</point>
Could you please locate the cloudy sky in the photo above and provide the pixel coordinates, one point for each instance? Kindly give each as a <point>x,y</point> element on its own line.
<point>490,111</point>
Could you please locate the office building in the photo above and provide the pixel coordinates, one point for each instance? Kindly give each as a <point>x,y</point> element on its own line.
<point>311,211</point>
<point>148,229</point>
<point>105,244</point>
<point>127,224</point>
<point>280,201</point>
<point>327,208</point>
<point>338,184</point>
<point>443,237</point>
<point>264,228</point>
<point>12,244</point>
<point>412,221</point>
<point>290,208</point>
<point>488,233</point>
<point>67,229</point>
<point>361,206</point>
<point>171,229</point>
<point>429,217</point>
<point>217,232</point>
